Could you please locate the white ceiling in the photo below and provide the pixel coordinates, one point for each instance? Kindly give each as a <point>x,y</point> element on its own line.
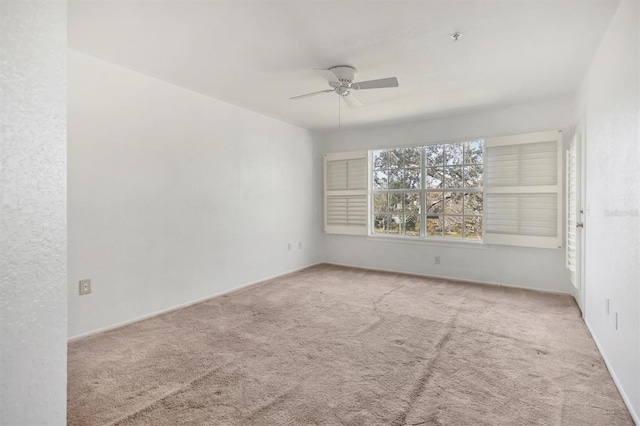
<point>258,53</point>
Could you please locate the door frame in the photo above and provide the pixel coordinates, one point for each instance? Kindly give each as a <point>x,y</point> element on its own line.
<point>579,293</point>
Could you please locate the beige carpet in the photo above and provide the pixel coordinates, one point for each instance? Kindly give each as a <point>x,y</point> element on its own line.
<point>341,346</point>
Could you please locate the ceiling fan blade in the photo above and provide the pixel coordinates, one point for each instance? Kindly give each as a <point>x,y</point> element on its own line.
<point>312,94</point>
<point>328,75</point>
<point>351,100</point>
<point>376,84</point>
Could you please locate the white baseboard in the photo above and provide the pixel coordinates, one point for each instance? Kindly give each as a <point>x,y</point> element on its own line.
<point>462,280</point>
<point>623,394</point>
<point>184,305</point>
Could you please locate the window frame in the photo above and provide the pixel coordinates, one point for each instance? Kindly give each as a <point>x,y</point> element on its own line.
<point>514,223</point>
<point>423,191</point>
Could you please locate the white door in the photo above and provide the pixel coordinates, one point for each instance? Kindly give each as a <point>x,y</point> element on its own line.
<point>575,238</point>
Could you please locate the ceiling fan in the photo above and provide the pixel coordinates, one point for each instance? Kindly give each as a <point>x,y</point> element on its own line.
<point>340,79</point>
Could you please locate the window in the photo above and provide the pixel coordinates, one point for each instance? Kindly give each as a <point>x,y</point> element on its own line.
<point>397,179</point>
<point>504,190</point>
<point>432,191</point>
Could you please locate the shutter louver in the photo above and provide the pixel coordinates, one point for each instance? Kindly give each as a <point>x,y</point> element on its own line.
<point>522,214</point>
<point>347,210</point>
<point>522,165</point>
<point>347,174</point>
<point>522,190</point>
<point>346,201</point>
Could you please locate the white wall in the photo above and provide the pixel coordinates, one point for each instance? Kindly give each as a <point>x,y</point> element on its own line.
<point>33,248</point>
<point>515,266</point>
<point>608,102</point>
<point>175,197</point>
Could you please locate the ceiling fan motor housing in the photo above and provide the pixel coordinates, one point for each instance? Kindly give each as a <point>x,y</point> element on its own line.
<point>344,73</point>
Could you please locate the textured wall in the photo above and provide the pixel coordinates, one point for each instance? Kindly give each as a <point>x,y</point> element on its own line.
<point>175,196</point>
<point>33,292</point>
<point>535,268</point>
<point>609,102</point>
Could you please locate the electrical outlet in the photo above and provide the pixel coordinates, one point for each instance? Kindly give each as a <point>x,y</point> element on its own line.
<point>289,246</point>
<point>436,260</point>
<point>85,287</point>
<point>300,245</point>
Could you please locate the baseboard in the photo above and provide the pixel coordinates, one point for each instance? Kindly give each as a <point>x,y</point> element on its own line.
<point>453,279</point>
<point>625,398</point>
<point>184,305</point>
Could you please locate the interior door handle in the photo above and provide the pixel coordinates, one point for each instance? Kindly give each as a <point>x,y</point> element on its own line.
<point>579,225</point>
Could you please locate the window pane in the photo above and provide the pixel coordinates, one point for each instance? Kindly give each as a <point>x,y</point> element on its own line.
<point>453,226</point>
<point>473,227</point>
<point>412,225</point>
<point>434,155</point>
<point>380,203</point>
<point>453,202</point>
<point>396,202</point>
<point>396,158</point>
<point>412,202</point>
<point>473,176</point>
<point>380,179</point>
<point>380,223</point>
<point>454,153</point>
<point>434,203</point>
<point>453,177</point>
<point>473,203</point>
<point>395,224</point>
<point>434,177</point>
<point>412,157</point>
<point>412,179</point>
<point>381,159</point>
<point>434,226</point>
<point>396,179</point>
<point>473,152</point>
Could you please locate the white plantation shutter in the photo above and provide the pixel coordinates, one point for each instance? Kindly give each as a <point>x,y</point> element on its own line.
<point>523,193</point>
<point>346,205</point>
<point>571,211</point>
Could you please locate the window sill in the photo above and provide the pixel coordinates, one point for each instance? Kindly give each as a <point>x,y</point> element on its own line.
<point>430,242</point>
